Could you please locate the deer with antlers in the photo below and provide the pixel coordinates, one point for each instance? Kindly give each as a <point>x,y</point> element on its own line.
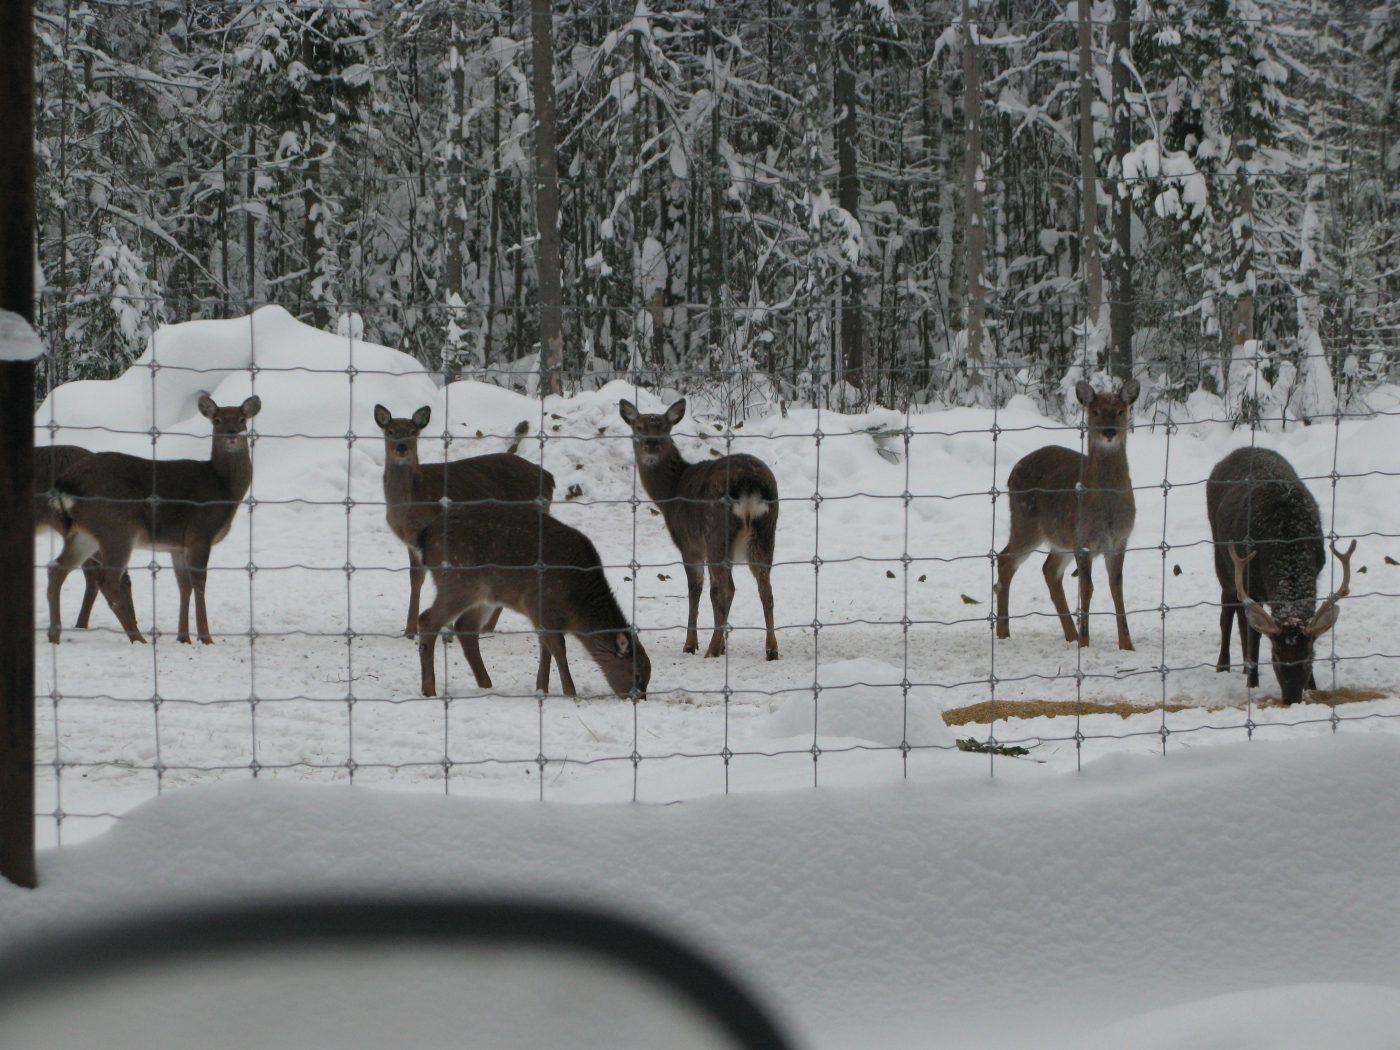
<point>1257,504</point>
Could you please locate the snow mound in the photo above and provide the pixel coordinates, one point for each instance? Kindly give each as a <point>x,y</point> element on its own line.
<point>860,700</point>
<point>1290,1017</point>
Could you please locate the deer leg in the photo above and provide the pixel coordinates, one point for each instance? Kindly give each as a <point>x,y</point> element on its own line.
<point>116,587</point>
<point>1312,680</point>
<point>182,578</point>
<point>1254,637</point>
<point>78,547</point>
<point>721,595</point>
<point>91,568</point>
<point>466,628</point>
<point>1085,563</point>
<point>430,622</point>
<point>416,572</point>
<point>763,577</point>
<point>197,559</point>
<point>694,584</point>
<point>555,642</point>
<point>491,621</point>
<point>1008,561</point>
<point>1054,572</point>
<point>1114,563</point>
<point>1227,615</point>
<point>542,675</point>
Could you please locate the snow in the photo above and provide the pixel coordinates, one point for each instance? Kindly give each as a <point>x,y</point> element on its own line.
<point>18,340</point>
<point>1145,902</point>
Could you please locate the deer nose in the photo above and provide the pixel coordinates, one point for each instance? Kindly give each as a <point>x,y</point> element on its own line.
<point>401,448</point>
<point>1110,432</point>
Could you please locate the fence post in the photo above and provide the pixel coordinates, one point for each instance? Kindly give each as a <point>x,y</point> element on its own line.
<point>17,349</point>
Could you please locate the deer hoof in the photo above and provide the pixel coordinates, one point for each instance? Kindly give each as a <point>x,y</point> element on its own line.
<point>206,640</point>
<point>772,654</point>
<point>1127,646</point>
<point>691,647</point>
<point>430,689</point>
<point>53,635</point>
<point>1003,631</point>
<point>138,639</point>
<point>183,639</point>
<point>1221,667</point>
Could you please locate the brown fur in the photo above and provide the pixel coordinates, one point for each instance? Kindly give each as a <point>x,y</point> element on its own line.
<point>413,494</point>
<point>1048,509</point>
<point>106,501</point>
<point>51,462</point>
<point>486,557</point>
<point>717,512</point>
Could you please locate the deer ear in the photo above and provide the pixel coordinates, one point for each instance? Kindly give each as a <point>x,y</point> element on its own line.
<point>623,644</point>
<point>1323,621</point>
<point>382,416</point>
<point>676,412</point>
<point>628,412</point>
<point>421,417</point>
<point>1129,391</point>
<point>1084,392</point>
<point>207,407</point>
<point>1260,620</point>
<point>251,407</point>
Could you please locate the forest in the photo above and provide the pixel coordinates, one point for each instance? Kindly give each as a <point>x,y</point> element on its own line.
<point>833,202</point>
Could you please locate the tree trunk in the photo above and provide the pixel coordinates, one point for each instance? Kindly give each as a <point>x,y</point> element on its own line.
<point>1120,356</point>
<point>1242,315</point>
<point>547,197</point>
<point>848,191</point>
<point>973,220</point>
<point>250,221</point>
<point>1090,264</point>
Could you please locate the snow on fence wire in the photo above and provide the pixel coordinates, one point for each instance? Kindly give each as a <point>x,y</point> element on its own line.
<point>888,532</point>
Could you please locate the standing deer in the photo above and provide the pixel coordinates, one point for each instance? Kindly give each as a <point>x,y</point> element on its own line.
<point>1257,503</point>
<point>110,503</point>
<point>486,557</point>
<point>718,512</point>
<point>1077,506</point>
<point>50,463</point>
<point>413,491</point>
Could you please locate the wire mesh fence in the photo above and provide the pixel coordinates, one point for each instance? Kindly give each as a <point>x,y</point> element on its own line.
<point>891,450</point>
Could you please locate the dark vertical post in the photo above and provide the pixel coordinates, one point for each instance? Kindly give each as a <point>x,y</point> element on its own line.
<point>1120,311</point>
<point>16,443</point>
<point>547,198</point>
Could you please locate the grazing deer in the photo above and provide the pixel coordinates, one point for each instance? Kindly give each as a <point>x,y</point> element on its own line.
<point>486,557</point>
<point>110,503</point>
<point>50,463</point>
<point>1048,506</point>
<point>413,491</point>
<point>718,512</point>
<point>1256,502</point>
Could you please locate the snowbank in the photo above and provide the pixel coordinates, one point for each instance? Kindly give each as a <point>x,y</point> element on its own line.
<point>1176,899</point>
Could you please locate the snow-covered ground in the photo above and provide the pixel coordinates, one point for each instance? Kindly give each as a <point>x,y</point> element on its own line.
<point>1240,897</point>
<point>318,623</point>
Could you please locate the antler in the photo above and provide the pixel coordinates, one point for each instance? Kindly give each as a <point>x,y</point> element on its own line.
<point>1259,617</point>
<point>1323,618</point>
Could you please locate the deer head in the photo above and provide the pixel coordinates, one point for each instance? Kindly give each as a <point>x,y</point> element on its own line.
<point>1291,644</point>
<point>651,433</point>
<point>401,435</point>
<point>624,662</point>
<point>230,424</point>
<point>1107,415</point>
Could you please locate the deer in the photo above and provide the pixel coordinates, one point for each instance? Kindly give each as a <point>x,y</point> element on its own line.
<point>1256,503</point>
<point>111,502</point>
<point>50,463</point>
<point>486,557</point>
<point>718,513</point>
<point>413,491</point>
<point>1078,506</point>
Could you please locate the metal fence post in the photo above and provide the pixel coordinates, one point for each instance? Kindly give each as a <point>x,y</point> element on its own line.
<point>16,443</point>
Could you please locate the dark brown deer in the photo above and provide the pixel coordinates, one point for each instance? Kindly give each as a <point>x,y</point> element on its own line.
<point>485,557</point>
<point>413,491</point>
<point>111,503</point>
<point>1257,504</point>
<point>718,512</point>
<point>1078,506</point>
<point>50,463</point>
